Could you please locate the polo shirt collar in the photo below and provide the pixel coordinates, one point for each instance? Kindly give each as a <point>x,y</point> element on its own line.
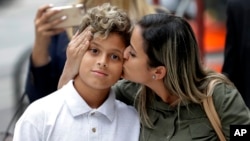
<point>108,108</point>
<point>78,106</point>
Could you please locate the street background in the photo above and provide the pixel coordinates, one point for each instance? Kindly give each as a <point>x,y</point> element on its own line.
<point>16,38</point>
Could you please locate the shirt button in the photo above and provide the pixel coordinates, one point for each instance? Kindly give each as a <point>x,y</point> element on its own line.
<point>93,130</point>
<point>92,113</point>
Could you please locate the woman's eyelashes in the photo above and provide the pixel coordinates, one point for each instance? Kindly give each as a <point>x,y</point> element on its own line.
<point>131,51</point>
<point>132,54</point>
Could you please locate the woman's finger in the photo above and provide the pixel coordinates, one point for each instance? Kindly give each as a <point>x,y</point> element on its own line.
<point>85,35</point>
<point>42,9</point>
<point>80,37</point>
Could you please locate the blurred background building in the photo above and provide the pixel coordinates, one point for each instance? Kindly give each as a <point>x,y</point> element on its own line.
<point>207,18</point>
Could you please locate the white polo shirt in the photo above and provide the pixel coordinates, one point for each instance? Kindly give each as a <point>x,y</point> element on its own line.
<point>65,116</point>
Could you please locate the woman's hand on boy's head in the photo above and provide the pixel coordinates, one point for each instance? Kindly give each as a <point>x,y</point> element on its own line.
<point>77,47</point>
<point>79,43</point>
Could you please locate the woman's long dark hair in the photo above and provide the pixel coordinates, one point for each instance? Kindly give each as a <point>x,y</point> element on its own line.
<point>169,41</point>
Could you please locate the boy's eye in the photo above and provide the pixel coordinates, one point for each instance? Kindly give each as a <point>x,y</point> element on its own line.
<point>115,57</point>
<point>94,51</point>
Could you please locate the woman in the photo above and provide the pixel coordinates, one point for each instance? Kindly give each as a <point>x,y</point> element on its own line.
<point>170,83</point>
<point>49,52</point>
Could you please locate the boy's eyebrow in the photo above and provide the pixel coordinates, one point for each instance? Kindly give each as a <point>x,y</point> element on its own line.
<point>117,50</point>
<point>98,45</point>
<point>94,43</point>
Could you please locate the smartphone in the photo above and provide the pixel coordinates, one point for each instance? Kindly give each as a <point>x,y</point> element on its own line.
<point>73,15</point>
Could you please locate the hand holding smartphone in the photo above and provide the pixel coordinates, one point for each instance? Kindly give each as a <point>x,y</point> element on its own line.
<point>72,14</point>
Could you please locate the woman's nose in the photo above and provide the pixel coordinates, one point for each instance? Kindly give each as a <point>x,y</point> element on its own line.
<point>126,53</point>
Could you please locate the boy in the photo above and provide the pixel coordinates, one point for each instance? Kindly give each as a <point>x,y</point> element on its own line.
<point>85,108</point>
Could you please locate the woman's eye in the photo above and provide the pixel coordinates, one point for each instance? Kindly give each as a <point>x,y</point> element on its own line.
<point>132,54</point>
<point>130,51</point>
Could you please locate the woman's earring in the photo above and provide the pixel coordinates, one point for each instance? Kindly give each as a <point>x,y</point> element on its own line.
<point>153,77</point>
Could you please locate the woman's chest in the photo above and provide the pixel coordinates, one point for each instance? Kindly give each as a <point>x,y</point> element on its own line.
<point>186,125</point>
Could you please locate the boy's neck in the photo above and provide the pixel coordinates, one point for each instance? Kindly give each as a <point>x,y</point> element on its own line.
<point>93,97</point>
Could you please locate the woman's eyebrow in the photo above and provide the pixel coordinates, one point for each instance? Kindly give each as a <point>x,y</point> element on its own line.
<point>132,46</point>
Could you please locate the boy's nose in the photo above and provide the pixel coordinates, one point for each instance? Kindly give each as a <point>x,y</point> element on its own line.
<point>102,62</point>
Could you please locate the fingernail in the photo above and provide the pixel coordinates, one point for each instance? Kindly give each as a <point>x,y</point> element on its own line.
<point>63,17</point>
<point>51,5</point>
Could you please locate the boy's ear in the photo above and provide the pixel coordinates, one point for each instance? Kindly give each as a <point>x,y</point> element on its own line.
<point>160,72</point>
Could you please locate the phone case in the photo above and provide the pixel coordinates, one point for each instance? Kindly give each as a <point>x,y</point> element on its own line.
<point>73,13</point>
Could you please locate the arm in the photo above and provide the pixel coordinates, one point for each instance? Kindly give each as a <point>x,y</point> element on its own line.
<point>75,51</point>
<point>43,32</point>
<point>25,131</point>
<point>35,86</point>
<point>230,107</point>
<point>30,125</point>
<point>42,79</point>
